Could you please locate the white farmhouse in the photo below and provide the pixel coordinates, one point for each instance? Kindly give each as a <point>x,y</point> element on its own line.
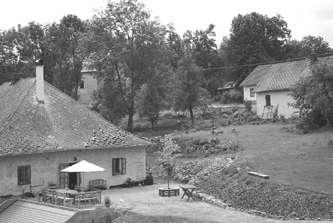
<point>43,130</point>
<point>268,86</point>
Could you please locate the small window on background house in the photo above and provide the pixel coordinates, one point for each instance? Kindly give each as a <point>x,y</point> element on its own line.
<point>24,175</point>
<point>251,92</point>
<point>118,166</point>
<point>268,100</point>
<point>82,84</point>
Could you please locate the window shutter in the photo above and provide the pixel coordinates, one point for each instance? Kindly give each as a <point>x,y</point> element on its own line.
<point>123,166</point>
<point>19,176</point>
<point>28,174</point>
<point>113,166</point>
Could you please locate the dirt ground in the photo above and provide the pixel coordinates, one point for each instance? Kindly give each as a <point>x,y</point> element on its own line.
<point>144,205</point>
<point>301,160</point>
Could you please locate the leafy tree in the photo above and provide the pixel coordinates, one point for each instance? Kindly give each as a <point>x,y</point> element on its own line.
<point>168,156</point>
<point>309,45</point>
<point>127,45</point>
<point>254,38</point>
<point>202,47</point>
<point>63,57</point>
<point>188,92</point>
<point>314,99</point>
<point>153,96</point>
<point>174,46</point>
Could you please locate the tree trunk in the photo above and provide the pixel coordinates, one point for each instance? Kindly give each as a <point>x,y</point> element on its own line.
<point>131,107</point>
<point>191,114</point>
<point>130,117</point>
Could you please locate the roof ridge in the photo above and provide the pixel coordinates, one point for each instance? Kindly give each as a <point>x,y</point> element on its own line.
<point>11,115</point>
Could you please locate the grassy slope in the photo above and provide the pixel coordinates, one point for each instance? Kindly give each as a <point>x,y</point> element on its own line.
<point>289,158</point>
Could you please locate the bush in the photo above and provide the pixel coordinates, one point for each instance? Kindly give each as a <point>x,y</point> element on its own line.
<point>314,99</point>
<point>248,106</point>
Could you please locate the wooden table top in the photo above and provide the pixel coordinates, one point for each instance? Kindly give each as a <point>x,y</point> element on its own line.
<point>67,191</point>
<point>188,186</point>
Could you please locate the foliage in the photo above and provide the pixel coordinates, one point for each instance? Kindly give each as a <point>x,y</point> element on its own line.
<point>314,99</point>
<point>248,106</point>
<point>188,93</point>
<point>201,45</point>
<point>168,155</point>
<point>232,96</point>
<point>127,47</point>
<point>309,45</point>
<point>152,98</point>
<point>254,38</point>
<point>57,45</point>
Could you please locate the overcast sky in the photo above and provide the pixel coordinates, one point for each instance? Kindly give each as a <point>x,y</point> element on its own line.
<point>304,17</point>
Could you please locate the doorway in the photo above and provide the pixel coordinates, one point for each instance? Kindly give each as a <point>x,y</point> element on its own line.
<point>70,180</point>
<point>268,100</point>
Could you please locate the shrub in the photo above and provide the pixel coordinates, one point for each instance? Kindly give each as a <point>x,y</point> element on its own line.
<point>314,99</point>
<point>248,105</point>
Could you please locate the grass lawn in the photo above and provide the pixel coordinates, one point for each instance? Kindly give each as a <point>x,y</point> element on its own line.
<point>300,160</point>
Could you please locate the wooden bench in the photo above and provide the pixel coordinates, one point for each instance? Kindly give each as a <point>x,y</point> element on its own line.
<point>99,184</point>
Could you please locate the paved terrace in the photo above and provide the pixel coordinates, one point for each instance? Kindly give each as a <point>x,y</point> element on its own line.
<point>145,201</point>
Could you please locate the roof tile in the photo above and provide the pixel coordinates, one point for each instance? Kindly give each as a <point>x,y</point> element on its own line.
<point>61,123</point>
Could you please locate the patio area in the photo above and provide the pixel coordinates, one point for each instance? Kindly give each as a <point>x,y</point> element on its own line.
<point>146,205</point>
<point>70,198</point>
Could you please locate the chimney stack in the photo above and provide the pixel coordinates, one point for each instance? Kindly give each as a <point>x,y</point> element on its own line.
<point>40,81</point>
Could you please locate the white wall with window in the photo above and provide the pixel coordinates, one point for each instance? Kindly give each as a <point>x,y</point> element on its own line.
<point>280,100</point>
<point>21,173</point>
<point>249,93</point>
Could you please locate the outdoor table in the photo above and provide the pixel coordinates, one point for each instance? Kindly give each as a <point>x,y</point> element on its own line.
<point>188,191</point>
<point>67,191</point>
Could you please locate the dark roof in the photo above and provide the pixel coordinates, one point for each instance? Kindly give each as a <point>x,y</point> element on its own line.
<point>228,85</point>
<point>254,77</point>
<point>59,124</point>
<point>29,212</point>
<point>281,76</point>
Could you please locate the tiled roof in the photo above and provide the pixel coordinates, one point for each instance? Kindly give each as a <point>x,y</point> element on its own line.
<point>254,77</point>
<point>26,212</point>
<point>281,76</point>
<point>59,124</point>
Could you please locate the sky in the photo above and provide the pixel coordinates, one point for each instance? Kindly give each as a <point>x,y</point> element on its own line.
<point>304,17</point>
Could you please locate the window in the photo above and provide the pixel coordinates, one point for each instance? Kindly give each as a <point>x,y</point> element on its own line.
<point>268,100</point>
<point>118,166</point>
<point>24,175</point>
<point>251,92</point>
<point>82,84</point>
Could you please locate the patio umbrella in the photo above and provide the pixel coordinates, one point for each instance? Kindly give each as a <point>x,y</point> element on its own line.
<point>83,167</point>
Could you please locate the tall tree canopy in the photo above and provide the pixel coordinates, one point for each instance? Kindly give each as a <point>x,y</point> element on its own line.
<point>201,46</point>
<point>309,45</point>
<point>127,47</point>
<point>254,38</point>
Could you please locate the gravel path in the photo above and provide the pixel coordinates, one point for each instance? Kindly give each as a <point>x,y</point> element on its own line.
<point>145,201</point>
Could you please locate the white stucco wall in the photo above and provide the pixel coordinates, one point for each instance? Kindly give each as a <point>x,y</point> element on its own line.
<point>247,95</point>
<point>278,98</point>
<point>45,167</point>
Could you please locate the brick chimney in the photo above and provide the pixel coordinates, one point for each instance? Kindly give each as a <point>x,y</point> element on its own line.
<point>40,81</point>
